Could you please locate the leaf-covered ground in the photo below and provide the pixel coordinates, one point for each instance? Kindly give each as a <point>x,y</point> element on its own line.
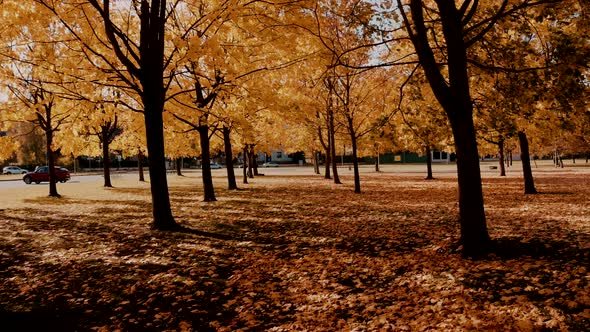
<point>296,252</point>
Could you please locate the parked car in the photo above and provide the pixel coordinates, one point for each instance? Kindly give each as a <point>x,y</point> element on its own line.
<point>13,170</point>
<point>216,166</point>
<point>269,164</point>
<point>41,174</point>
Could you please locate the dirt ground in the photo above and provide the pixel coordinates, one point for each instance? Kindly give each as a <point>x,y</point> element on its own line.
<point>292,251</point>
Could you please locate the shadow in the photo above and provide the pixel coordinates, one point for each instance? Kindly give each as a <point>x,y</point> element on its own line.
<point>547,275</point>
<point>135,191</point>
<point>219,236</point>
<point>536,248</point>
<point>539,192</point>
<point>257,244</point>
<point>42,319</point>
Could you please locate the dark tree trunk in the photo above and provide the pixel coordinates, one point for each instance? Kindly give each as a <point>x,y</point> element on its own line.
<point>179,166</point>
<point>377,160</point>
<point>316,162</point>
<point>162,212</point>
<point>560,161</point>
<point>151,76</point>
<point>455,98</point>
<point>474,233</point>
<point>51,160</point>
<point>326,147</point>
<point>231,176</point>
<point>506,161</point>
<point>140,165</point>
<point>328,164</point>
<point>429,163</point>
<point>208,190</point>
<point>104,138</point>
<point>529,183</point>
<point>501,148</point>
<point>355,163</point>
<point>245,164</point>
<point>255,162</point>
<point>332,140</point>
<point>108,131</point>
<point>250,162</point>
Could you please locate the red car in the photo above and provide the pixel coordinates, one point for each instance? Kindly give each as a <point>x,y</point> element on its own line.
<point>41,174</point>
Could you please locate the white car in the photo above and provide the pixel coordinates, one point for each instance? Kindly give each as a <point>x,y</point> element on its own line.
<point>13,170</point>
<point>270,165</point>
<point>216,166</point>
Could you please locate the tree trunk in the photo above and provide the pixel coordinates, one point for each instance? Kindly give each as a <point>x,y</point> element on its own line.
<point>140,165</point>
<point>231,176</point>
<point>245,163</point>
<point>255,162</point>
<point>51,160</point>
<point>453,94</point>
<point>316,162</point>
<point>151,77</point>
<point>104,137</point>
<point>250,162</point>
<point>474,233</point>
<point>429,163</point>
<point>179,166</point>
<point>377,160</point>
<point>162,212</point>
<point>326,147</point>
<point>332,141</point>
<point>328,164</point>
<point>506,158</point>
<point>501,149</point>
<point>355,163</point>
<point>208,190</point>
<point>529,184</point>
<point>560,161</point>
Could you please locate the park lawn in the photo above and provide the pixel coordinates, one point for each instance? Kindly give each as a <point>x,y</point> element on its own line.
<point>296,252</point>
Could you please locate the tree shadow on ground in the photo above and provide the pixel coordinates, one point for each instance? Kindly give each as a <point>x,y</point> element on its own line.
<point>265,257</point>
<point>537,248</point>
<point>41,319</point>
<point>550,268</point>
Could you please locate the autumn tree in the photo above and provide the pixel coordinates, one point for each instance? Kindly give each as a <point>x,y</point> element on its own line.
<point>48,112</point>
<point>456,28</point>
<point>229,156</point>
<point>424,127</point>
<point>24,141</point>
<point>8,146</point>
<point>39,92</point>
<point>103,123</point>
<point>364,107</point>
<point>534,67</point>
<point>129,41</point>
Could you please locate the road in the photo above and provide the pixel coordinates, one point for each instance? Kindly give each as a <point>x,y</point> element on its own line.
<point>487,168</point>
<point>15,181</point>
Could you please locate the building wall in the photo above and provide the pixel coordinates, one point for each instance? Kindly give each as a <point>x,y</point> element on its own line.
<point>277,156</point>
